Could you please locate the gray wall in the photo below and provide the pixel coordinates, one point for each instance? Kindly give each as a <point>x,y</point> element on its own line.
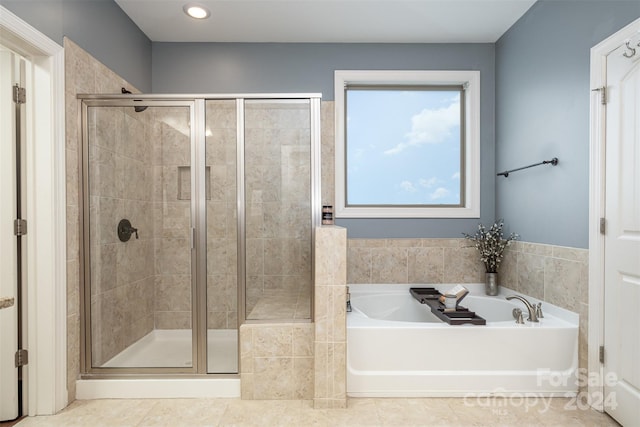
<point>98,26</point>
<point>300,67</point>
<point>542,110</point>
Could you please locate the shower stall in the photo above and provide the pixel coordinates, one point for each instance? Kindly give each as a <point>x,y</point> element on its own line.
<point>197,214</point>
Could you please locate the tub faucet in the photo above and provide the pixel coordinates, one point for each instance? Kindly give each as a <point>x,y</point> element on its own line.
<point>348,300</point>
<point>532,311</point>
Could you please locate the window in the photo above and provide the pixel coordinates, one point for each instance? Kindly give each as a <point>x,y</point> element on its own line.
<point>407,144</point>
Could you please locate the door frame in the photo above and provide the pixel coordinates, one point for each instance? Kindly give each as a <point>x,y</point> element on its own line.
<point>597,135</point>
<point>45,376</point>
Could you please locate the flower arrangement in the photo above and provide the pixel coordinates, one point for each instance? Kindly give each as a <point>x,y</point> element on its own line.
<point>491,244</point>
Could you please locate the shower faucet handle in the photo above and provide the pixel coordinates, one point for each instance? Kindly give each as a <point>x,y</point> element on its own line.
<point>125,230</point>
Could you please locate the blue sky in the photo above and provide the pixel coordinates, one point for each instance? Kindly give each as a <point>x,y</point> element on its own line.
<point>403,147</point>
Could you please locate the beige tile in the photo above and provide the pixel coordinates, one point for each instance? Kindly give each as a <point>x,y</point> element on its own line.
<point>173,320</point>
<point>303,338</point>
<point>272,340</point>
<point>321,370</point>
<point>366,243</point>
<point>443,243</point>
<point>185,412</point>
<point>425,265</point>
<point>303,374</point>
<point>563,283</point>
<point>389,265</point>
<point>246,386</point>
<point>246,349</point>
<point>531,274</point>
<point>402,243</point>
<point>536,248</point>
<point>358,265</point>
<point>571,254</point>
<point>273,378</point>
<point>462,265</point>
<point>328,412</point>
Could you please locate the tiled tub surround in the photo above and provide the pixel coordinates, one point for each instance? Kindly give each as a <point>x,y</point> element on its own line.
<point>555,274</point>
<point>391,351</point>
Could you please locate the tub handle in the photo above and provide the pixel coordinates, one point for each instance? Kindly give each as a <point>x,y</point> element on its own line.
<point>517,314</point>
<point>539,311</point>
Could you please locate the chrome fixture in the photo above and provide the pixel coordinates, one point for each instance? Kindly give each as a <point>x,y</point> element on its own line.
<point>348,300</point>
<point>137,108</point>
<point>532,311</point>
<point>552,162</point>
<point>517,314</point>
<point>539,311</point>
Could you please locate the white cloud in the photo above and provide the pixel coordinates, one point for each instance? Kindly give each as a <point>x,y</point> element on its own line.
<point>428,183</point>
<point>408,186</point>
<point>439,193</point>
<point>430,126</point>
<point>455,175</point>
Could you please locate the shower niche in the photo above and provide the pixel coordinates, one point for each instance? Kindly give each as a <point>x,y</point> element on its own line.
<point>223,193</point>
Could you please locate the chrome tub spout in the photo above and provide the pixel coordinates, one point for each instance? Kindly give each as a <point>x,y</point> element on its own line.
<point>533,317</point>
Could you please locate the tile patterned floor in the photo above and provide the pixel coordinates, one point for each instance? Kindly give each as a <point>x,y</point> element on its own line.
<point>360,412</point>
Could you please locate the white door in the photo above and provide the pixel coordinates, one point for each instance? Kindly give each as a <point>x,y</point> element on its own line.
<point>622,241</point>
<point>8,248</point>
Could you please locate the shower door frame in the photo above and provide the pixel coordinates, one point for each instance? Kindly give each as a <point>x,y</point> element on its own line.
<point>198,211</point>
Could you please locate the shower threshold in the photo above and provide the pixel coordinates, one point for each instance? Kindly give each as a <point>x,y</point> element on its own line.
<point>162,348</point>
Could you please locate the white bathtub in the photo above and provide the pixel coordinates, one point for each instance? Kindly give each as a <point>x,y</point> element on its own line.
<point>397,348</point>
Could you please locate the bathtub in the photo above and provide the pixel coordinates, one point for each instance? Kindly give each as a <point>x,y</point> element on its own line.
<point>397,348</point>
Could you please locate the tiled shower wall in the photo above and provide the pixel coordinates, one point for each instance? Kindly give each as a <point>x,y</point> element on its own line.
<point>83,74</point>
<point>278,209</point>
<point>120,186</point>
<point>171,152</point>
<point>222,215</point>
<point>128,180</point>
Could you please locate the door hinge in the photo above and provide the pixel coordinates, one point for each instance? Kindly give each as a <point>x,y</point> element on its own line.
<point>603,94</point>
<point>19,94</point>
<point>603,225</point>
<point>20,227</point>
<point>22,357</point>
<point>601,354</point>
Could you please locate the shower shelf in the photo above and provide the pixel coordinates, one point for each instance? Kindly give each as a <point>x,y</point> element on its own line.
<point>462,315</point>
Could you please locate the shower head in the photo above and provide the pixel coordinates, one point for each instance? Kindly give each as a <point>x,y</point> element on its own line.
<point>137,108</point>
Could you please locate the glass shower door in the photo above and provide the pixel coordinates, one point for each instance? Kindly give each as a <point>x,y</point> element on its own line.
<point>222,235</point>
<point>138,231</point>
<point>278,208</point>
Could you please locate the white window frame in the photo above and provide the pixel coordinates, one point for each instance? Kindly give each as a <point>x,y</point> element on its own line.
<point>471,82</point>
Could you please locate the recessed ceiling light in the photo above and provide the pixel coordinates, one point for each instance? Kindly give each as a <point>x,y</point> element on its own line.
<point>196,11</point>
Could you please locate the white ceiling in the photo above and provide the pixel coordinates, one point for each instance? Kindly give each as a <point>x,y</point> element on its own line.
<point>329,21</point>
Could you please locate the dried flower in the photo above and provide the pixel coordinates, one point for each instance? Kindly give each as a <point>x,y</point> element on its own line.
<point>491,244</point>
